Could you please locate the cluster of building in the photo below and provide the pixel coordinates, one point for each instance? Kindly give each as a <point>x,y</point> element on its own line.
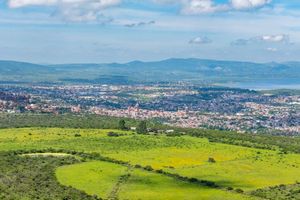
<point>240,122</point>
<point>185,106</point>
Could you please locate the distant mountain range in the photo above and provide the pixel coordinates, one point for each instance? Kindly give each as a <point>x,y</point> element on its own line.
<point>170,70</point>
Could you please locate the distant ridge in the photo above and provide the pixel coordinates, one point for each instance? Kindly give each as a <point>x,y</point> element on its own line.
<point>174,69</point>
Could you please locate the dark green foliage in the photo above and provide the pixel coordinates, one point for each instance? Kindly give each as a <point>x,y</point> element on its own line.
<point>61,121</point>
<point>24,177</point>
<point>68,121</point>
<point>174,134</point>
<point>193,180</point>
<point>280,192</point>
<point>142,128</point>
<point>113,134</point>
<point>138,166</point>
<point>211,160</point>
<point>122,124</point>
<point>229,188</point>
<point>148,168</point>
<point>239,190</point>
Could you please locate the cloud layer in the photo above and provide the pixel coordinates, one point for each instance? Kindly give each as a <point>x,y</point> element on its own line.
<point>192,7</point>
<point>72,10</point>
<point>246,4</point>
<point>279,38</point>
<point>90,10</point>
<point>93,3</point>
<point>138,24</point>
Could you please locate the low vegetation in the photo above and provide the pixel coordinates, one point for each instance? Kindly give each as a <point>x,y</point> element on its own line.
<point>28,177</point>
<point>279,192</point>
<point>93,163</point>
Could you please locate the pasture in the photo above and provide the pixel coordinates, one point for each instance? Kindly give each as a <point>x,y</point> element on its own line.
<point>236,171</point>
<point>112,181</point>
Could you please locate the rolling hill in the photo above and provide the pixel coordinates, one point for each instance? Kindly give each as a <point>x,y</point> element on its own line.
<point>170,70</point>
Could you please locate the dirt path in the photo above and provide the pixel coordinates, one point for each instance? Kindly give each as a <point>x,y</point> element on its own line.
<point>117,187</point>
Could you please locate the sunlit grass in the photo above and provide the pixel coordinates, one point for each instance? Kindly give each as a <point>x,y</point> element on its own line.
<point>238,167</point>
<point>95,178</point>
<point>101,178</point>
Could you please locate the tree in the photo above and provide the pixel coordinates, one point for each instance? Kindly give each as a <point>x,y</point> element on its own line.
<point>142,128</point>
<point>122,124</point>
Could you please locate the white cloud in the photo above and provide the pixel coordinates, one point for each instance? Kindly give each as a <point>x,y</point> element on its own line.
<point>94,3</point>
<point>91,10</point>
<point>200,40</point>
<point>72,10</point>
<point>248,4</point>
<point>22,3</point>
<point>202,6</point>
<point>210,6</point>
<point>279,38</point>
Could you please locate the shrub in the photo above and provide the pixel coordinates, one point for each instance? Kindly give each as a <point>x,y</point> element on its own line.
<point>193,180</point>
<point>138,166</point>
<point>211,160</point>
<point>142,128</point>
<point>210,184</point>
<point>229,188</point>
<point>239,190</point>
<point>113,134</point>
<point>122,125</point>
<point>148,168</point>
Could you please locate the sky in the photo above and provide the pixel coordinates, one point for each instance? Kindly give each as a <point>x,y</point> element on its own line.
<point>101,31</point>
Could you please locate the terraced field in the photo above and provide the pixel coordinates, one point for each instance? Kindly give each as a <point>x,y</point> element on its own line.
<point>157,167</point>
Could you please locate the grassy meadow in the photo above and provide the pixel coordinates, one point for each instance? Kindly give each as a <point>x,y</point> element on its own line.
<point>106,179</point>
<point>157,166</point>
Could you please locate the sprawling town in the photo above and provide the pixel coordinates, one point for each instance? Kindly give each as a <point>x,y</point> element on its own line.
<point>179,104</point>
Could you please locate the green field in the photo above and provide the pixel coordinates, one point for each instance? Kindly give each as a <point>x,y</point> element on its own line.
<point>92,177</point>
<point>155,166</point>
<point>103,179</point>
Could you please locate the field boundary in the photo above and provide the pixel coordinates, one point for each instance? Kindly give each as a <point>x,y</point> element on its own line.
<point>113,195</point>
<point>121,181</point>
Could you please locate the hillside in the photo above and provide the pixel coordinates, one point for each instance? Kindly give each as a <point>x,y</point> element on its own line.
<point>194,70</point>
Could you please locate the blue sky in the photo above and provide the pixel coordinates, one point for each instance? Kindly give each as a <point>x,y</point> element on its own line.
<point>96,31</point>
